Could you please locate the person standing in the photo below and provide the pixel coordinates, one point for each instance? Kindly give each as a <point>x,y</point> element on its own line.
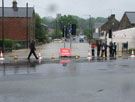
<point>114,49</point>
<point>32,50</point>
<point>93,50</point>
<point>103,49</point>
<point>111,49</point>
<point>98,49</point>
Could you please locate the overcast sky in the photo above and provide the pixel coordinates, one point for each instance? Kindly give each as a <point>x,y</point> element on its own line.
<point>82,8</point>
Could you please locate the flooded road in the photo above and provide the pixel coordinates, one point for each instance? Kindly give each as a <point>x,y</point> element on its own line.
<point>68,80</point>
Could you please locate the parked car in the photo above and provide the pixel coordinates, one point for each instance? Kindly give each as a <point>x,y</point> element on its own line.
<point>58,40</point>
<point>81,39</point>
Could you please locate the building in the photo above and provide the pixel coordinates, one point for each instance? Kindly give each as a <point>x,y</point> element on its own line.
<point>19,23</point>
<point>124,38</point>
<point>97,34</point>
<point>128,20</point>
<point>112,23</point>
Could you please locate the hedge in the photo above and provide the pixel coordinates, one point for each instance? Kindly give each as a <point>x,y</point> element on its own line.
<point>8,43</point>
<point>130,50</point>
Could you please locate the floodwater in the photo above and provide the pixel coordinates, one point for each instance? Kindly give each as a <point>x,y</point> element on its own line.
<point>68,80</point>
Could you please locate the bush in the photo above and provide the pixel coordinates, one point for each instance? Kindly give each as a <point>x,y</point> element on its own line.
<point>130,50</point>
<point>8,43</point>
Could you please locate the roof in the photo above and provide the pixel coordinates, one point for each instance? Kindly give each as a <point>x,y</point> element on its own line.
<point>21,12</point>
<point>98,25</point>
<point>131,17</point>
<point>98,36</point>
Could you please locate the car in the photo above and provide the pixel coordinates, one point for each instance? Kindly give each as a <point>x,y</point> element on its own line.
<point>81,39</point>
<point>58,40</point>
<point>74,38</point>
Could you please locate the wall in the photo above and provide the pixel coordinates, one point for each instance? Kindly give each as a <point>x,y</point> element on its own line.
<point>15,28</point>
<point>123,36</point>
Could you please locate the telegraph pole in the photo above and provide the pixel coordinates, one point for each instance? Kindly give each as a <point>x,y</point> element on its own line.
<point>3,32</point>
<point>89,27</point>
<point>56,29</point>
<point>27,26</point>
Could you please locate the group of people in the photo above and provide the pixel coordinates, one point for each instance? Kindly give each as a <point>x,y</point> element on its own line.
<point>102,49</point>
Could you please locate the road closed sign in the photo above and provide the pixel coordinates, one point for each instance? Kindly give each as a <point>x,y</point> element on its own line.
<point>65,52</point>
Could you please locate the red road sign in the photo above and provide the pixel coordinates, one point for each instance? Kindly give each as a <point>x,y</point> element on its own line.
<point>65,52</point>
<point>62,61</point>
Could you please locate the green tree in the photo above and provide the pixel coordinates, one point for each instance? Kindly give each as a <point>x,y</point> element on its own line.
<point>58,35</point>
<point>88,33</point>
<point>40,31</point>
<point>67,21</point>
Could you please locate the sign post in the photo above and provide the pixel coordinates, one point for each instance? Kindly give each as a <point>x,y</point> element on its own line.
<point>65,52</point>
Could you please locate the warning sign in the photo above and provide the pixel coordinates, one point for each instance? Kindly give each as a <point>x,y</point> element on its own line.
<point>65,52</point>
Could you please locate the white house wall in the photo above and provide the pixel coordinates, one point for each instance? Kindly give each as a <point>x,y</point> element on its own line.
<point>123,36</point>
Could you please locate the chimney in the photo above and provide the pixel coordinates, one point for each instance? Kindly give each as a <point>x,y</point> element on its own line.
<point>14,5</point>
<point>113,16</point>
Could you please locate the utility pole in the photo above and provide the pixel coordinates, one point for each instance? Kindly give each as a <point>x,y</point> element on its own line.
<point>89,28</point>
<point>27,26</point>
<point>3,32</point>
<point>56,29</point>
<point>64,35</point>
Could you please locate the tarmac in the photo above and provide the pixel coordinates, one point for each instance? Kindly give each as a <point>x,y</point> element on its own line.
<point>53,49</point>
<point>47,50</point>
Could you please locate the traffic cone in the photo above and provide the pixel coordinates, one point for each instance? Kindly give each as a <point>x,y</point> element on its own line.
<point>104,55</point>
<point>76,56</point>
<point>53,56</point>
<point>89,54</point>
<point>39,55</point>
<point>15,57</point>
<point>1,62</point>
<point>1,56</point>
<point>132,55</point>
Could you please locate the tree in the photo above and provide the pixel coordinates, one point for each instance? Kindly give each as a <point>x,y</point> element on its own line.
<point>66,21</point>
<point>58,35</point>
<point>88,33</point>
<point>40,31</point>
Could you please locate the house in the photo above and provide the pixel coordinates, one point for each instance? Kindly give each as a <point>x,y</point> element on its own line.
<point>128,20</point>
<point>17,25</point>
<point>112,23</point>
<point>97,34</point>
<point>124,38</point>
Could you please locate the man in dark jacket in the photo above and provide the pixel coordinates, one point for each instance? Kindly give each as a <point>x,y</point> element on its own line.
<point>32,50</point>
<point>114,49</point>
<point>98,49</point>
<point>111,49</point>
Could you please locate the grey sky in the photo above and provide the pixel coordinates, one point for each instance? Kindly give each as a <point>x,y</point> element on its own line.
<point>82,8</point>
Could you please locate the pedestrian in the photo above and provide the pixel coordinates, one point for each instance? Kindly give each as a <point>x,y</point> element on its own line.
<point>93,49</point>
<point>111,49</point>
<point>32,50</point>
<point>114,49</point>
<point>98,48</point>
<point>103,49</point>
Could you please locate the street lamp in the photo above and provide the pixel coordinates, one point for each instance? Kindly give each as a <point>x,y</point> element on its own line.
<point>89,27</point>
<point>112,30</point>
<point>3,35</point>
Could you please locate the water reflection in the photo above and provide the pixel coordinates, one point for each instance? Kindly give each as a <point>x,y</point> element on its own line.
<point>18,67</point>
<point>64,61</point>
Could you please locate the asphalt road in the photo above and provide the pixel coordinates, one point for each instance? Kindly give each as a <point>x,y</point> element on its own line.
<point>77,81</point>
<point>80,49</point>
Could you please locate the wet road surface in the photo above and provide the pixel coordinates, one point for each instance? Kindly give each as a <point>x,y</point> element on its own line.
<point>68,80</point>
